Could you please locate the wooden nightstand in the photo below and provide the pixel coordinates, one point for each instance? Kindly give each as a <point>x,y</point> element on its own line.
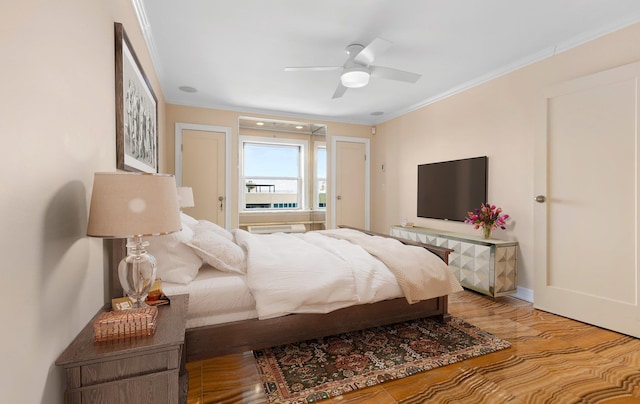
<point>139,370</point>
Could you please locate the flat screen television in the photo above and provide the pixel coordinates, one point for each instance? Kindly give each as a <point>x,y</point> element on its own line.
<point>449,189</point>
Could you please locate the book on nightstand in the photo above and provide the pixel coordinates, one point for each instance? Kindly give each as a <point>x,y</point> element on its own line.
<point>156,297</point>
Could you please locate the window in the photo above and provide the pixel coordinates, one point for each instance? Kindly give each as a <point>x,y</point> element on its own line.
<point>273,173</point>
<point>320,191</point>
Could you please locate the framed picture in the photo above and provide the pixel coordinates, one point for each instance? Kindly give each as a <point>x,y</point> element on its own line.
<point>136,111</point>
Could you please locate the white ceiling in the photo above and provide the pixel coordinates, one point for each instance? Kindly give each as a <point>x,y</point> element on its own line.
<point>234,51</point>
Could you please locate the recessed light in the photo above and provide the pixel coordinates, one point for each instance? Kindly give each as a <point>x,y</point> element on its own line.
<point>299,127</point>
<point>260,123</point>
<point>377,113</point>
<point>188,89</point>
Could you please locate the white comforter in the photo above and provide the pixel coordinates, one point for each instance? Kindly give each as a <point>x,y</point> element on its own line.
<point>421,274</point>
<point>317,273</point>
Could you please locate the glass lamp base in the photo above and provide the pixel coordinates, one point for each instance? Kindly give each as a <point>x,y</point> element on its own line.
<point>137,272</point>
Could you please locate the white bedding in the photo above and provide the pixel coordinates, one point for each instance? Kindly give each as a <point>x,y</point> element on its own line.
<point>314,272</point>
<point>311,273</point>
<point>215,297</point>
<point>421,274</point>
<point>318,272</point>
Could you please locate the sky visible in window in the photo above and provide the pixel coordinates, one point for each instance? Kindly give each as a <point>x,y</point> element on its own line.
<point>322,162</point>
<point>262,160</point>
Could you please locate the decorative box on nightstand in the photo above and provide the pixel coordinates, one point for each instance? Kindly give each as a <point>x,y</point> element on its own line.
<point>485,265</point>
<point>147,369</point>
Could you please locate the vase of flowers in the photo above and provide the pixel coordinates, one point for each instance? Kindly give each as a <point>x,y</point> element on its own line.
<point>488,218</point>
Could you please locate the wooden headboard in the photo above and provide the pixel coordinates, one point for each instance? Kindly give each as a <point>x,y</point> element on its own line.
<point>118,250</point>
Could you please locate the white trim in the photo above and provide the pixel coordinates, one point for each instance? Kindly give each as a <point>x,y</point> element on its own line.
<point>180,126</point>
<point>519,64</point>
<point>138,7</point>
<point>367,175</point>
<point>524,294</point>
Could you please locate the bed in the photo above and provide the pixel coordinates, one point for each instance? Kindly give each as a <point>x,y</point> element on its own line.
<point>250,291</point>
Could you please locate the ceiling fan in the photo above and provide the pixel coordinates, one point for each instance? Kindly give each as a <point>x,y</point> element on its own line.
<point>357,70</point>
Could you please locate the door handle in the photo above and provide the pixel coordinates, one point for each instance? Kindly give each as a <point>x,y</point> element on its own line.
<point>221,198</point>
<point>540,199</point>
<point>339,197</point>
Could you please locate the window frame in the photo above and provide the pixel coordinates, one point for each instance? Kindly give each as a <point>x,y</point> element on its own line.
<point>303,186</point>
<point>316,190</point>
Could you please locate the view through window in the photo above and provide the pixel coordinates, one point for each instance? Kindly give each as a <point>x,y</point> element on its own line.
<point>321,177</point>
<point>283,166</point>
<point>273,174</point>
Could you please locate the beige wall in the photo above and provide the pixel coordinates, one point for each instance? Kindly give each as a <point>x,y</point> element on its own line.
<point>58,127</point>
<point>498,119</point>
<point>215,117</point>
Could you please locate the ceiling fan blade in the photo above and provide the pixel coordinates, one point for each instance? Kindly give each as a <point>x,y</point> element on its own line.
<point>340,90</point>
<point>394,74</point>
<point>312,68</point>
<point>376,48</point>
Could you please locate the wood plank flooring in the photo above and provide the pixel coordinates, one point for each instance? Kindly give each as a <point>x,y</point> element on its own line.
<point>552,360</point>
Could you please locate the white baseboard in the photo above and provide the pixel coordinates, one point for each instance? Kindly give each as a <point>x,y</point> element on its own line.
<point>524,294</point>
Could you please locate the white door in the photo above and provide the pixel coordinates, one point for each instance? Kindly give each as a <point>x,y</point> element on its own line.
<point>586,231</point>
<point>351,182</point>
<point>203,166</point>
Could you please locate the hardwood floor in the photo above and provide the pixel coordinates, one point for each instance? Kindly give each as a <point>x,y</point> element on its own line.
<point>552,360</point>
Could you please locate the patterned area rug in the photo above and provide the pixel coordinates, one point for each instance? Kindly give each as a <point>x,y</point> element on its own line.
<point>314,370</point>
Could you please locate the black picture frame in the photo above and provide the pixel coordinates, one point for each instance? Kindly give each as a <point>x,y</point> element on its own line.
<point>136,110</point>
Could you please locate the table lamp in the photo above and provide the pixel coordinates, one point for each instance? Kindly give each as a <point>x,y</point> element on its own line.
<point>132,206</point>
<point>185,197</point>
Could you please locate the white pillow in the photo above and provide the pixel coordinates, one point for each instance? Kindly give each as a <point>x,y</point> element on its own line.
<point>175,262</point>
<point>207,226</point>
<point>188,220</point>
<point>219,252</point>
<point>185,235</point>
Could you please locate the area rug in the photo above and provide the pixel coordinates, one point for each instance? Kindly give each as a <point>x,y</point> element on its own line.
<point>314,370</point>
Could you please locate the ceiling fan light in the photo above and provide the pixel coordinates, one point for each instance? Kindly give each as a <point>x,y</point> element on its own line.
<point>355,78</point>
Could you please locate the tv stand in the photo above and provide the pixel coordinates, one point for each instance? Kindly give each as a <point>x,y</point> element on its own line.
<point>485,265</point>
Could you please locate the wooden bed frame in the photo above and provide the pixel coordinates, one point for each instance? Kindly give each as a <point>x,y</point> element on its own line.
<point>240,336</point>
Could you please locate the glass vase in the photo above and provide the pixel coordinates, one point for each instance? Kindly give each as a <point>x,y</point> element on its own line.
<point>137,272</point>
<point>486,232</point>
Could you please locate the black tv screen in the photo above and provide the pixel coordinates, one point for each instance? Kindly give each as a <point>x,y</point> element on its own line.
<point>449,189</point>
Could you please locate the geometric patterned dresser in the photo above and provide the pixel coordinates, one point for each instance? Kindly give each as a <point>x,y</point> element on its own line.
<point>486,266</point>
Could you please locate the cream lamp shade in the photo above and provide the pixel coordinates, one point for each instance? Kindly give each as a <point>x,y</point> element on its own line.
<point>133,204</point>
<point>185,197</point>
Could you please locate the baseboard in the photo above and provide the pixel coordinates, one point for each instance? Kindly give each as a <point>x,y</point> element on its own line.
<point>524,294</point>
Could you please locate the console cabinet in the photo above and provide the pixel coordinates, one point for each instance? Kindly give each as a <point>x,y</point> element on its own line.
<point>485,265</point>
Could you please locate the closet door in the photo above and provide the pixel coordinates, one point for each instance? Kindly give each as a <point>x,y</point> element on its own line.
<point>586,201</point>
<point>351,180</point>
<point>202,164</point>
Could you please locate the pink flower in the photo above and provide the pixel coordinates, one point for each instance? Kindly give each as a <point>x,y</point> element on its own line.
<point>487,216</point>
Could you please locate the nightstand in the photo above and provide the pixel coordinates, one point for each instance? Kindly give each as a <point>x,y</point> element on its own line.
<point>137,370</point>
